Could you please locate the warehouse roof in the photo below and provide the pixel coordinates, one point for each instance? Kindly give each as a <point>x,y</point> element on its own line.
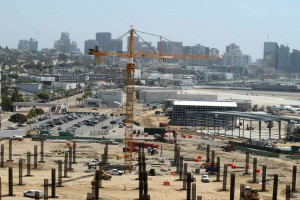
<point>205,103</point>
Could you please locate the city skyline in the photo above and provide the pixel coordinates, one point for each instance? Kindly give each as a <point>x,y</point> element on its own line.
<point>216,25</point>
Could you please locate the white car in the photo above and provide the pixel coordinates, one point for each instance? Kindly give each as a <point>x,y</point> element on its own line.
<point>115,172</point>
<point>205,179</point>
<point>33,193</point>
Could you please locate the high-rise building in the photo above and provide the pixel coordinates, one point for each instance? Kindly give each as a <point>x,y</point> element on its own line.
<point>162,46</point>
<point>63,45</point>
<point>116,45</point>
<point>73,47</point>
<point>271,54</point>
<point>31,45</point>
<point>103,40</point>
<point>175,47</point>
<point>136,43</point>
<point>89,44</point>
<point>234,57</point>
<point>295,62</point>
<point>283,58</point>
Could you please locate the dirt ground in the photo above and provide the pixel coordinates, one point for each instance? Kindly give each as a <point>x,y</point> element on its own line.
<point>78,183</point>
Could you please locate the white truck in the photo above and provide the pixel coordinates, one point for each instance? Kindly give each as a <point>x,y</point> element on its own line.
<point>115,172</point>
<point>92,163</point>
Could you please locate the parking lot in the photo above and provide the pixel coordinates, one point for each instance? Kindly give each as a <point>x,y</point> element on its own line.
<point>88,124</point>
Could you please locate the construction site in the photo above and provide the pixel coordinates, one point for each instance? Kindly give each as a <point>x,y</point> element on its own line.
<point>204,150</point>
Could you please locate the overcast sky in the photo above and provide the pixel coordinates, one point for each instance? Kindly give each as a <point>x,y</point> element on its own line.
<point>217,23</point>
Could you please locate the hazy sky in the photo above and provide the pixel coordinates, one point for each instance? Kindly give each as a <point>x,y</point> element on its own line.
<point>211,23</point>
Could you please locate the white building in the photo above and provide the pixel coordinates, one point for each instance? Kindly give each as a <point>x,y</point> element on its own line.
<point>111,98</point>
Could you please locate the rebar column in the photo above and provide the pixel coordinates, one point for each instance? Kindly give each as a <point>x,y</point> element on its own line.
<point>213,161</point>
<point>224,178</point>
<point>45,189</point>
<point>70,159</point>
<point>194,191</point>
<point>288,192</point>
<point>254,169</point>
<point>207,153</point>
<point>74,152</point>
<point>42,152</point>
<point>247,163</point>
<point>35,156</point>
<point>232,184</point>
<point>145,185</point>
<point>184,176</point>
<point>294,177</point>
<point>176,156</point>
<point>264,178</point>
<point>20,171</point>
<point>59,178</point>
<point>66,165</point>
<point>100,177</point>
<point>10,182</point>
<point>97,175</point>
<point>181,168</point>
<point>242,191</point>
<point>53,176</point>
<point>10,150</point>
<point>0,189</point>
<point>2,156</point>
<point>141,189</point>
<point>218,168</point>
<point>188,184</point>
<point>275,187</point>
<point>28,163</point>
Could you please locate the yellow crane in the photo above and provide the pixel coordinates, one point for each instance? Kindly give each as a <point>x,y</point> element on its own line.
<point>129,78</point>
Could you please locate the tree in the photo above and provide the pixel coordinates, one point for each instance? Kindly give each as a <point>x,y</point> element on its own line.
<point>39,111</point>
<point>255,107</point>
<point>18,118</point>
<point>79,99</point>
<point>7,104</point>
<point>16,97</point>
<point>43,95</point>
<point>31,114</point>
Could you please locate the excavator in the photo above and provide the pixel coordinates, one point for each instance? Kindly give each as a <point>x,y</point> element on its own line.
<point>250,194</point>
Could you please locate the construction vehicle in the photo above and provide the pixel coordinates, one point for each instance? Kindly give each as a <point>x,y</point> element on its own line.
<point>152,172</point>
<point>250,194</point>
<point>129,79</point>
<point>163,124</point>
<point>228,148</point>
<point>209,167</point>
<point>104,176</point>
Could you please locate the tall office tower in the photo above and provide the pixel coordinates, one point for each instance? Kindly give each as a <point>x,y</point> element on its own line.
<point>103,39</point>
<point>234,57</point>
<point>283,58</point>
<point>31,45</point>
<point>271,54</point>
<point>89,44</point>
<point>65,42</point>
<point>136,42</point>
<point>214,51</point>
<point>295,62</point>
<point>23,45</point>
<point>175,47</point>
<point>116,45</point>
<point>73,47</point>
<point>162,46</point>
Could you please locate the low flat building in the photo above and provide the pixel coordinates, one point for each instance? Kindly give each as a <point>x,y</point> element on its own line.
<point>30,87</point>
<point>192,113</point>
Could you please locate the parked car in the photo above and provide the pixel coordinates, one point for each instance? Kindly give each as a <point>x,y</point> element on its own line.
<point>115,172</point>
<point>205,179</point>
<point>33,193</point>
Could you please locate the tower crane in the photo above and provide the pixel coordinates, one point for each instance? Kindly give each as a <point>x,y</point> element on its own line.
<point>129,78</point>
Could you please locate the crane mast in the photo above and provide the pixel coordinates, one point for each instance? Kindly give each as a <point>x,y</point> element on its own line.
<point>129,103</point>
